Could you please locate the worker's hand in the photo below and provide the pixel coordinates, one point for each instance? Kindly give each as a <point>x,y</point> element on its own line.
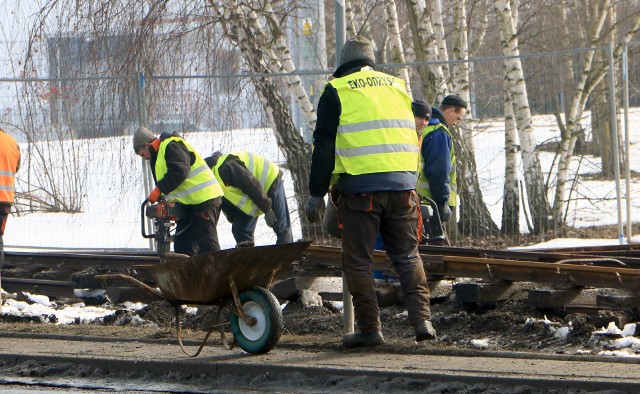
<point>314,206</point>
<point>154,195</point>
<point>444,212</point>
<point>270,218</point>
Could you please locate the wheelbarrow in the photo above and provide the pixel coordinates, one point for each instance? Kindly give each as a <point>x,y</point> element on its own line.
<point>236,280</point>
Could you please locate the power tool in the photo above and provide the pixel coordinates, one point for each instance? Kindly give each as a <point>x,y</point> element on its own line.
<point>164,215</point>
<point>433,232</point>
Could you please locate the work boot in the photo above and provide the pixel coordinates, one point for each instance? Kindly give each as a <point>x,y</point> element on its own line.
<point>424,330</point>
<point>360,339</point>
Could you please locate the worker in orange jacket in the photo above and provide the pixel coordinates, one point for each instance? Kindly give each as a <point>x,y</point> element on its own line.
<point>9,164</point>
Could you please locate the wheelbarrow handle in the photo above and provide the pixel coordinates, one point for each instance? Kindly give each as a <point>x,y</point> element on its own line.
<point>133,280</point>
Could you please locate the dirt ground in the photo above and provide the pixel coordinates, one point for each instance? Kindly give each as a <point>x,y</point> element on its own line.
<point>511,325</point>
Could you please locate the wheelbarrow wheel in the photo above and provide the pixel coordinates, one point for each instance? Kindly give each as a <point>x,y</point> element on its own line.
<point>261,337</point>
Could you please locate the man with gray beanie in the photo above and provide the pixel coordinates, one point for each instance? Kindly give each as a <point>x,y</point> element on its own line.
<point>366,147</point>
<point>181,175</point>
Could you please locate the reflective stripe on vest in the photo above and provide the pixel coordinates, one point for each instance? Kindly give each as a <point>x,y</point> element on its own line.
<point>423,184</point>
<point>200,185</point>
<point>9,158</point>
<point>377,128</point>
<point>262,169</point>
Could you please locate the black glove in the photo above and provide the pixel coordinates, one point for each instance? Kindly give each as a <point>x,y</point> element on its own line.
<point>444,212</point>
<point>314,206</point>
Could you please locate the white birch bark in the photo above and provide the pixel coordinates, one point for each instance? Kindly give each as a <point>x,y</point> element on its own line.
<point>537,198</point>
<point>287,136</point>
<point>576,108</point>
<point>480,32</point>
<point>441,44</point>
<point>511,194</point>
<point>349,14</point>
<point>395,42</point>
<point>460,71</point>
<point>280,60</point>
<point>426,50</point>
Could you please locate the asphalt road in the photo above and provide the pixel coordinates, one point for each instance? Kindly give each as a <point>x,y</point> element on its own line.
<point>53,358</point>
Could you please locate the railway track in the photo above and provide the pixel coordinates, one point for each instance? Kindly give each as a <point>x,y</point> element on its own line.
<point>568,270</point>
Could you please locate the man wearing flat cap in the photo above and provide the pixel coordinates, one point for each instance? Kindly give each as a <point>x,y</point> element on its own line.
<point>366,147</point>
<point>437,179</point>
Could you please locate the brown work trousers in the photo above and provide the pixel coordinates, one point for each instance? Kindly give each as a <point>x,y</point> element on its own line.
<point>395,215</point>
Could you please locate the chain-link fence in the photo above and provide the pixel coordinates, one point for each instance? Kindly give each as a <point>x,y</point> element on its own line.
<point>81,185</point>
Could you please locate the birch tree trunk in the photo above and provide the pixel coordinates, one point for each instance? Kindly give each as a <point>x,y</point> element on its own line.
<point>281,60</point>
<point>475,218</point>
<point>434,83</point>
<point>395,42</point>
<point>572,127</point>
<point>511,192</point>
<point>441,43</point>
<point>536,191</point>
<point>238,29</point>
<point>460,71</point>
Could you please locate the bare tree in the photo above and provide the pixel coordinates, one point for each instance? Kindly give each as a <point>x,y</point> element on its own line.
<point>511,193</point>
<point>397,51</point>
<point>536,192</point>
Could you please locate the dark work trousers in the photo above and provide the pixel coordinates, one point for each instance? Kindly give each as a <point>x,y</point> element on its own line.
<point>5,209</point>
<point>395,216</point>
<point>243,226</point>
<point>197,233</point>
<point>280,207</point>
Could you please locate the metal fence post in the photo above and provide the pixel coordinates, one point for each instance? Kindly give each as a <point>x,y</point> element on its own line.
<point>347,301</point>
<point>627,146</point>
<point>614,138</point>
<point>146,170</point>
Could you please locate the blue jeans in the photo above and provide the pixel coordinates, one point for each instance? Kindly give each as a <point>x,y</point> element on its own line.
<point>243,226</point>
<point>279,205</point>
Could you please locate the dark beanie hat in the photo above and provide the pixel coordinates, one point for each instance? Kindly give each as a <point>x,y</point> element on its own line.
<point>454,100</point>
<point>421,108</point>
<point>357,48</point>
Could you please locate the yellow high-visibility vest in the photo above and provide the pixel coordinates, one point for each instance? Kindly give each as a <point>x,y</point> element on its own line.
<point>264,170</point>
<point>423,184</point>
<point>201,185</point>
<point>377,128</point>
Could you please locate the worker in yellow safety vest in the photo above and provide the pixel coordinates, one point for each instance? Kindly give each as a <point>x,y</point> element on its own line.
<point>437,179</point>
<point>252,187</point>
<point>182,175</point>
<point>365,143</point>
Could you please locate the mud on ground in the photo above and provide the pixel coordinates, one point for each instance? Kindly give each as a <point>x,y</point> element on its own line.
<point>510,325</point>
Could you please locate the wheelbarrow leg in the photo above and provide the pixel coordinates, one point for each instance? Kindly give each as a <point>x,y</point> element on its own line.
<point>220,325</point>
<point>250,320</point>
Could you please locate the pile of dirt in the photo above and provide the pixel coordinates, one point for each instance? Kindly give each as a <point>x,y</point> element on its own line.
<point>511,325</point>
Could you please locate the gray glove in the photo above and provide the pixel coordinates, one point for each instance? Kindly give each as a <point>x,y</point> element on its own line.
<point>314,206</point>
<point>270,218</point>
<point>444,212</point>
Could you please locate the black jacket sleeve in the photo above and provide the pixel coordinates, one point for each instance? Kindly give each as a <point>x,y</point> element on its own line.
<point>324,142</point>
<point>179,161</point>
<point>234,173</point>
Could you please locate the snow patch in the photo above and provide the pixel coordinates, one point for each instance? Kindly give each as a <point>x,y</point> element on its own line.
<point>481,343</point>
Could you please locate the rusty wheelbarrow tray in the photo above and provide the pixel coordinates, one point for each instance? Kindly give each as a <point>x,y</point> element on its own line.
<point>233,279</point>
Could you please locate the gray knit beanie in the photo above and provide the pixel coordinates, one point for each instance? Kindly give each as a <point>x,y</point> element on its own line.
<point>142,136</point>
<point>357,48</point>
